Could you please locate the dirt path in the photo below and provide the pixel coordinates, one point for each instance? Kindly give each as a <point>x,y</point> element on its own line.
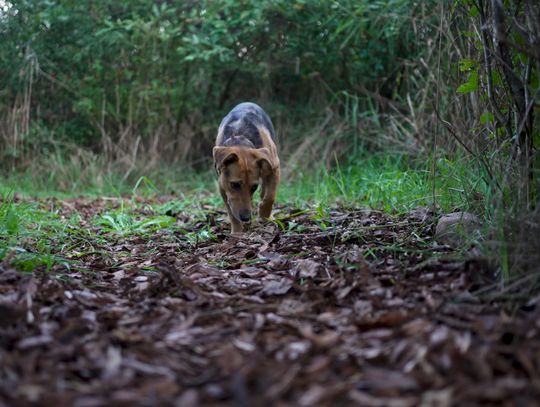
<point>351,308</point>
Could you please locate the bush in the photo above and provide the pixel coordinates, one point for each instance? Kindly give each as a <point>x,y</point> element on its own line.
<point>110,76</point>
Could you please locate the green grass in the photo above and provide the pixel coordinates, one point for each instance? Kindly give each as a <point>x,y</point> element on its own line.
<point>27,234</point>
<point>391,183</point>
<point>125,224</point>
<point>77,181</point>
<point>388,182</point>
<point>37,235</point>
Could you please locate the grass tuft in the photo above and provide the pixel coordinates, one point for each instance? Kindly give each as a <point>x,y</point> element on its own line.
<point>389,182</point>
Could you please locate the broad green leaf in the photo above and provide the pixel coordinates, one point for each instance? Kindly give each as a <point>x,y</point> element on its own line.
<point>471,85</point>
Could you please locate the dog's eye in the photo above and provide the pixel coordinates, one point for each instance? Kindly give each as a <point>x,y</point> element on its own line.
<point>254,188</point>
<point>236,186</point>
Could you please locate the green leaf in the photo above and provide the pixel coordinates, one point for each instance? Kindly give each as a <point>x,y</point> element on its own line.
<point>486,117</point>
<point>473,12</point>
<point>467,64</point>
<point>471,85</point>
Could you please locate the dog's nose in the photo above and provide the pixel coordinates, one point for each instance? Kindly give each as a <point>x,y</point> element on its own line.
<point>245,216</point>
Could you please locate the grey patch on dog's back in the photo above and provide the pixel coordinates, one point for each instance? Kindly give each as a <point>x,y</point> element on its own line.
<point>238,141</point>
<point>240,126</point>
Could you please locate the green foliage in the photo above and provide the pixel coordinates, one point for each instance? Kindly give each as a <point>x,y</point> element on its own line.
<point>471,67</point>
<point>391,182</point>
<point>10,218</point>
<point>200,236</point>
<point>495,120</point>
<point>104,74</point>
<point>124,224</point>
<point>24,225</point>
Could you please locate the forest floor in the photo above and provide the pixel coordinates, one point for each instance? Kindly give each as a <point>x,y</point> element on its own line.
<point>331,306</point>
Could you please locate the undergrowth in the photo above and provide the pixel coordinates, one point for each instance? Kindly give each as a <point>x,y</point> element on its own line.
<point>390,182</point>
<point>393,183</point>
<point>28,234</point>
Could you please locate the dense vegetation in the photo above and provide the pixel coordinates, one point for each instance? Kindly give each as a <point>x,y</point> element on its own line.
<point>99,89</point>
<point>155,77</point>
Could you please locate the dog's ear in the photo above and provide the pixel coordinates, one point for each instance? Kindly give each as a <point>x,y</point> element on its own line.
<point>264,160</point>
<point>223,156</point>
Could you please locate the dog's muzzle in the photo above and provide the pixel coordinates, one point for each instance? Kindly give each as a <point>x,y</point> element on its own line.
<point>245,216</point>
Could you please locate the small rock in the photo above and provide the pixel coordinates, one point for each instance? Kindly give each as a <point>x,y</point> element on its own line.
<point>455,229</point>
<point>419,214</point>
<point>277,287</point>
<point>308,268</point>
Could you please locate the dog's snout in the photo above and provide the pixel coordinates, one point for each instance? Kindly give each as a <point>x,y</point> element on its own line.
<point>245,216</point>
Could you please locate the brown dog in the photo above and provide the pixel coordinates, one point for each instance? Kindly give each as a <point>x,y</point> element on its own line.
<point>245,156</point>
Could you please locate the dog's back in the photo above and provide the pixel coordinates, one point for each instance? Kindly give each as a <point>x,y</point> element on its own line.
<point>241,126</point>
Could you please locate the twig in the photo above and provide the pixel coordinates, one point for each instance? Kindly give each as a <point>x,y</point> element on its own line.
<point>478,157</point>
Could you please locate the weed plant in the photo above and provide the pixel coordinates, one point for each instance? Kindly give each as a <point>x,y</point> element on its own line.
<point>28,234</point>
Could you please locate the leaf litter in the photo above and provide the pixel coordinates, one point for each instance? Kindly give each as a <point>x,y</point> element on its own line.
<point>361,309</point>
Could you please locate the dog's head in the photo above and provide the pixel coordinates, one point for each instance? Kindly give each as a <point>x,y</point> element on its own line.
<point>240,171</point>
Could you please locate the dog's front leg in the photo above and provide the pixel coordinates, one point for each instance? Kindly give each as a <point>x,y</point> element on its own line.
<point>268,194</point>
<point>236,225</point>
